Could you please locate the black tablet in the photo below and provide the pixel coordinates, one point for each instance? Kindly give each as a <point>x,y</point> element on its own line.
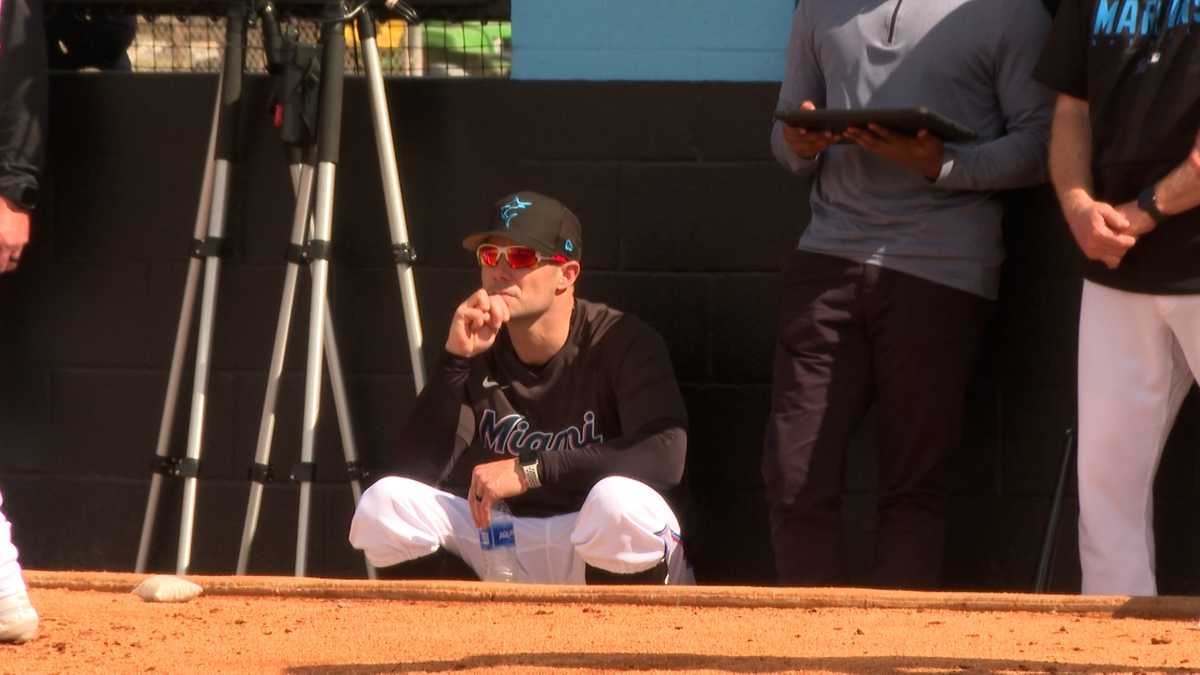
<point>901,120</point>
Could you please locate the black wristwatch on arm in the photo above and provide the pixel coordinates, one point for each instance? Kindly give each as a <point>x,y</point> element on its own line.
<point>529,463</point>
<point>20,197</point>
<point>1148,203</point>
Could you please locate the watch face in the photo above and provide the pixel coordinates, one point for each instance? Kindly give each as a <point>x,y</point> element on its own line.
<point>21,199</point>
<point>1149,204</point>
<point>28,198</point>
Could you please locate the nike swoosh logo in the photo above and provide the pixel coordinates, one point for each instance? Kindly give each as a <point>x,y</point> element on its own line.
<point>489,383</point>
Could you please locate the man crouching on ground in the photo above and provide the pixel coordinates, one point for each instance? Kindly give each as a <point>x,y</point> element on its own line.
<point>565,410</point>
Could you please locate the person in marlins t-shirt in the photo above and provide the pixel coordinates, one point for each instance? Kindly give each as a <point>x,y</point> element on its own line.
<point>1125,161</point>
<point>566,410</point>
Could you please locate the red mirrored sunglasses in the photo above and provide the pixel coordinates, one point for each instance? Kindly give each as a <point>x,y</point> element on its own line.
<point>519,257</point>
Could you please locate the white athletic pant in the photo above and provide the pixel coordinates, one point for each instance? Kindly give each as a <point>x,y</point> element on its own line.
<point>1138,356</point>
<point>10,572</point>
<point>623,527</point>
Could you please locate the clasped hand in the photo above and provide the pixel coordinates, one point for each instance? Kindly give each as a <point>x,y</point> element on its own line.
<point>1105,232</point>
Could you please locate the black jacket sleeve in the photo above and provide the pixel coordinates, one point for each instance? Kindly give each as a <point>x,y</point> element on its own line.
<point>653,443</point>
<point>23,103</point>
<point>431,439</point>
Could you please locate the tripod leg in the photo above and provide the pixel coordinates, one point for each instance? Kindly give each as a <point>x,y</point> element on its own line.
<point>336,378</point>
<point>182,339</point>
<point>393,197</point>
<point>231,95</point>
<point>342,404</point>
<point>330,123</point>
<point>1050,541</point>
<point>303,185</point>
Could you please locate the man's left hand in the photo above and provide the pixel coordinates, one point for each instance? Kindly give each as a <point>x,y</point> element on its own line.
<point>922,153</point>
<point>14,235</point>
<point>493,482</point>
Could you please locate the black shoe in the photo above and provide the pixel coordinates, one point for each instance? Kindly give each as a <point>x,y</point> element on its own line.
<point>655,576</point>
<point>441,565</point>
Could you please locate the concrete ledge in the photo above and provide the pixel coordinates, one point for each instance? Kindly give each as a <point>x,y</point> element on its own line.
<point>1174,607</point>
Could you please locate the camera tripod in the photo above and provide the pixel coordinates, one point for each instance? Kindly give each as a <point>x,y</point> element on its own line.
<point>308,111</point>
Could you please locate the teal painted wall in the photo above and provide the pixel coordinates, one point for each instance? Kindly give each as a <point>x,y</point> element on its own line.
<point>689,40</point>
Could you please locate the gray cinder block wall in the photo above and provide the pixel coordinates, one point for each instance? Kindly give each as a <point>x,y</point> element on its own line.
<point>687,219</point>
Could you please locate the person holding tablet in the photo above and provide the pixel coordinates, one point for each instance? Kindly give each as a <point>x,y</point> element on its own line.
<point>887,294</point>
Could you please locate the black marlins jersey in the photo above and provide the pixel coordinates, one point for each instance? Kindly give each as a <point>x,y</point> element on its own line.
<point>606,404</point>
<point>1137,64</point>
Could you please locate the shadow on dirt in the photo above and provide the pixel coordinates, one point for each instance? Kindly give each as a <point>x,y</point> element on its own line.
<point>734,664</point>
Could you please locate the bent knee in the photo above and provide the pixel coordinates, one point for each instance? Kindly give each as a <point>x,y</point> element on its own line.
<point>617,503</point>
<point>624,526</point>
<point>386,493</point>
<point>614,497</point>
<point>391,501</point>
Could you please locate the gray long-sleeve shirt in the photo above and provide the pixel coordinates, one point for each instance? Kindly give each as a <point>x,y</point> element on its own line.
<point>971,61</point>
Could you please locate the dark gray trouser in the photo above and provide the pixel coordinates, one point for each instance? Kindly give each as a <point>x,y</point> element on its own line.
<point>848,334</point>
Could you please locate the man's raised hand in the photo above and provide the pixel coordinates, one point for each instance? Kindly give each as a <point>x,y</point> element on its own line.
<point>476,323</point>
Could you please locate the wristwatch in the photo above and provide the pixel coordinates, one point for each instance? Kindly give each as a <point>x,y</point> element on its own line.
<point>1147,202</point>
<point>528,462</point>
<point>20,197</point>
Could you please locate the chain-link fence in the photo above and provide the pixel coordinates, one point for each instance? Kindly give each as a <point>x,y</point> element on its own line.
<point>132,38</point>
<point>427,49</point>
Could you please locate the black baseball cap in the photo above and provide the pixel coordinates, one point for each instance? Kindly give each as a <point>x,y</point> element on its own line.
<point>535,220</point>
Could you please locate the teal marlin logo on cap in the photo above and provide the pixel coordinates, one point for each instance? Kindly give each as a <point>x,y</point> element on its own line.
<point>513,209</point>
<point>569,246</point>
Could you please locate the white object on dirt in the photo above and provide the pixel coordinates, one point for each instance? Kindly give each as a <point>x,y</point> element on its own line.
<point>166,588</point>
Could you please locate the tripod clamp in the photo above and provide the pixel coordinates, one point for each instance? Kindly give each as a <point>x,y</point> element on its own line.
<point>175,467</point>
<point>306,472</point>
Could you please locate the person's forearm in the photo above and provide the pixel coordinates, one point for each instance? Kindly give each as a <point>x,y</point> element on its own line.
<point>23,89</point>
<point>652,444</point>
<point>428,438</point>
<point>655,458</point>
<point>1179,191</point>
<point>788,157</point>
<point>1071,150</point>
<point>1015,160</point>
<point>1012,161</point>
<point>802,81</point>
<point>1018,157</point>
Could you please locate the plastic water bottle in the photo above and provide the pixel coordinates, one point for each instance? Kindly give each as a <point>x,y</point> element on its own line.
<point>499,544</point>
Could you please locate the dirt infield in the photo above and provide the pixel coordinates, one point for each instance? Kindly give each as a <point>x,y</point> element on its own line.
<point>92,624</point>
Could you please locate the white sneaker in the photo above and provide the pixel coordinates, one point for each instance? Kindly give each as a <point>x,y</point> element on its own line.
<point>18,619</point>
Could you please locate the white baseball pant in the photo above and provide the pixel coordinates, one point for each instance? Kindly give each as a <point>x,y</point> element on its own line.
<point>624,527</point>
<point>11,582</point>
<point>1138,356</point>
